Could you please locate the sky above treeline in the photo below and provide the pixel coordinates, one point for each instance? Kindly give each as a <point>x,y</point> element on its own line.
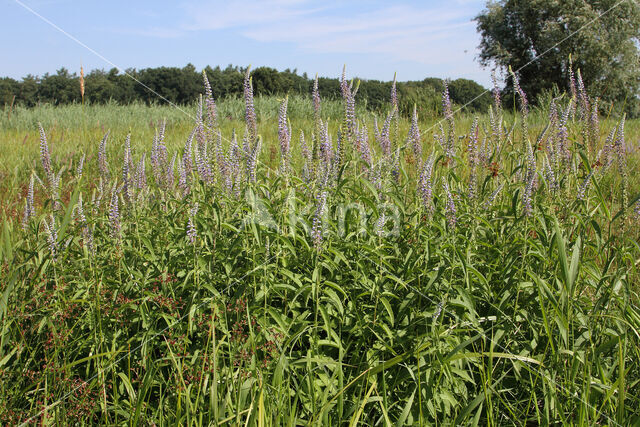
<point>416,39</point>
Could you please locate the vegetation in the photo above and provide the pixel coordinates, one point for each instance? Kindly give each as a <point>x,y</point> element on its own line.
<point>539,40</point>
<point>317,271</point>
<point>181,86</point>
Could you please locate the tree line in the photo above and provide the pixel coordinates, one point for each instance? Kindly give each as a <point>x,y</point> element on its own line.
<point>184,85</point>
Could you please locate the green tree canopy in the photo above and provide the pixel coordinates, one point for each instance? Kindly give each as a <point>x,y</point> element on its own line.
<point>536,37</point>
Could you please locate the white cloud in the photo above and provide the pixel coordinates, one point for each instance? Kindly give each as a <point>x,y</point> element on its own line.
<point>424,34</point>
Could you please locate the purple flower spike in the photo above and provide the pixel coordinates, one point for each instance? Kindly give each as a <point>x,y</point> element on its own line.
<point>413,138</point>
<point>52,237</point>
<point>29,208</point>
<point>250,112</point>
<point>450,209</point>
<point>425,185</point>
<point>191,228</point>
<point>317,228</point>
<point>114,215</point>
<point>394,94</point>
<point>102,158</point>
<point>210,103</point>
<point>284,135</point>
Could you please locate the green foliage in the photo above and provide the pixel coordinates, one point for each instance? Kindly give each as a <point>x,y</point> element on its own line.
<point>601,36</point>
<point>182,85</point>
<point>325,295</point>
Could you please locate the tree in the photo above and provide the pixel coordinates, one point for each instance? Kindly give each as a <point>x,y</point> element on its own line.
<point>536,37</point>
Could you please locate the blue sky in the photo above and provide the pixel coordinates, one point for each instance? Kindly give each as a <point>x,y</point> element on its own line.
<point>416,39</point>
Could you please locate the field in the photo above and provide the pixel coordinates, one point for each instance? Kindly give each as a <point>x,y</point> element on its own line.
<point>307,262</point>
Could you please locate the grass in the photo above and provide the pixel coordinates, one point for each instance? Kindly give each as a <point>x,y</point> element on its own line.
<point>323,289</point>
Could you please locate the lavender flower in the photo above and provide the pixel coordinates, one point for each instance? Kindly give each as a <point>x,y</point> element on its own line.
<point>52,237</point>
<point>169,176</point>
<point>349,119</point>
<point>448,115</point>
<point>114,215</point>
<point>52,180</point>
<point>572,84</point>
<point>413,138</point>
<point>252,162</point>
<point>524,104</point>
<point>473,158</point>
<point>529,181</point>
<point>211,105</point>
<point>284,135</point>
<point>497,102</point>
<point>584,99</point>
<point>487,204</point>
<point>306,156</point>
<point>29,208</point>
<point>425,185</point>
<point>80,167</point>
<point>250,112</point>
<point>45,156</point>
<point>384,139</point>
<point>316,99</point>
<point>191,228</point>
<point>550,176</point>
<point>450,209</point>
<point>394,94</point>
<point>141,176</point>
<point>379,227</point>
<point>102,158</point>
<point>317,228</point>
<point>363,147</point>
<point>582,189</point>
<point>126,170</point>
<point>326,148</point>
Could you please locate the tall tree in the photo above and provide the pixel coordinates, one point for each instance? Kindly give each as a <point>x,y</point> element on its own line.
<point>536,37</point>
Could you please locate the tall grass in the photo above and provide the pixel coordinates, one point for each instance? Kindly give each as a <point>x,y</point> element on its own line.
<point>485,278</point>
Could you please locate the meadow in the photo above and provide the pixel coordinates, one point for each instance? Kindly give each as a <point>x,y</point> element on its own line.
<point>300,261</point>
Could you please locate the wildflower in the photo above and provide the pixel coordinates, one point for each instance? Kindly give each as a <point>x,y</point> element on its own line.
<point>448,115</point>
<point>141,177</point>
<point>530,177</point>
<point>316,99</point>
<point>284,135</point>
<point>425,184</point>
<point>450,209</point>
<point>473,158</point>
<point>114,215</point>
<point>126,170</point>
<point>379,229</point>
<point>317,228</point>
<point>582,189</point>
<point>252,162</point>
<point>413,138</point>
<point>487,204</point>
<point>102,158</point>
<point>394,94</point>
<point>191,228</point>
<point>250,112</point>
<point>29,208</point>
<point>306,156</point>
<point>211,105</point>
<point>52,237</point>
<point>45,156</point>
<point>80,167</point>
